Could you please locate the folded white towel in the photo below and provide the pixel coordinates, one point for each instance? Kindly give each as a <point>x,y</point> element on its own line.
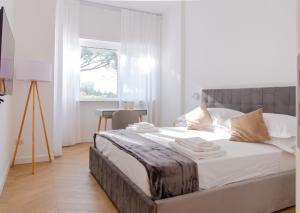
<point>195,142</point>
<point>142,130</point>
<point>213,147</point>
<point>144,124</point>
<point>197,155</point>
<point>141,127</point>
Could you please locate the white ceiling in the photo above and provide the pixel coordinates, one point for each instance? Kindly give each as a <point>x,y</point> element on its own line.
<point>149,6</point>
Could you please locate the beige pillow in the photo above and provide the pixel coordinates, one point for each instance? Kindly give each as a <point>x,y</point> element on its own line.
<point>199,118</point>
<point>249,127</point>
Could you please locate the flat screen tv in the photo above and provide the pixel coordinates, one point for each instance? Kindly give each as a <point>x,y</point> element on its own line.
<point>7,52</point>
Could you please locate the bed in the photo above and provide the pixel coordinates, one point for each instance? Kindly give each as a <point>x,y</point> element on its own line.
<point>250,185</point>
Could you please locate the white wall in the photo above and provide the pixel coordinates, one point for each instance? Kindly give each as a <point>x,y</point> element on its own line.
<point>6,114</point>
<point>34,34</point>
<point>89,120</point>
<point>100,23</point>
<point>236,43</point>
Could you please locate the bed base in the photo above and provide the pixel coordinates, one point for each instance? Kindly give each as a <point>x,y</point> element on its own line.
<point>262,195</point>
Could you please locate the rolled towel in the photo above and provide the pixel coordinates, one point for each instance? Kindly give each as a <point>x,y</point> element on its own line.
<point>195,142</point>
<point>197,155</point>
<point>213,147</point>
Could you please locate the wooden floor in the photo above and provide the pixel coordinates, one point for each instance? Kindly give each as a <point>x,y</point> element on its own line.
<point>64,186</point>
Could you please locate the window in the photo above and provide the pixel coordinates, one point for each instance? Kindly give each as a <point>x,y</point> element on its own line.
<point>99,70</point>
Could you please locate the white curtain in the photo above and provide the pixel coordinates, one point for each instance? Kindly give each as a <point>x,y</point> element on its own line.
<point>140,61</point>
<point>67,76</point>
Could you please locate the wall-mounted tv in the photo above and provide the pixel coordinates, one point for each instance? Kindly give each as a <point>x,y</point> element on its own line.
<point>7,52</point>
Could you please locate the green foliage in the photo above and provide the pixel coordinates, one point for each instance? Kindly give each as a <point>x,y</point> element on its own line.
<point>93,59</point>
<point>87,92</point>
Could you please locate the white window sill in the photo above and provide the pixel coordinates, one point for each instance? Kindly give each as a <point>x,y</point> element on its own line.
<point>100,100</point>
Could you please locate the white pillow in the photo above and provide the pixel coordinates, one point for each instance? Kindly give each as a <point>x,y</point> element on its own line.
<point>221,116</point>
<point>281,126</point>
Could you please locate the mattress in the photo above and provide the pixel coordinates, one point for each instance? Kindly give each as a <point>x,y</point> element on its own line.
<point>242,160</point>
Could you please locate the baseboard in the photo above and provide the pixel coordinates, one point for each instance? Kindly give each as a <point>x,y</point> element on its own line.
<point>28,159</point>
<point>4,177</point>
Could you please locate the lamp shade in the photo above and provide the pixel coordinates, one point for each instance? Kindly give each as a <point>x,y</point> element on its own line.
<point>33,71</point>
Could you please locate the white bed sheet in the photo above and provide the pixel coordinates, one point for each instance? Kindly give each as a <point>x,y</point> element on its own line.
<point>242,160</point>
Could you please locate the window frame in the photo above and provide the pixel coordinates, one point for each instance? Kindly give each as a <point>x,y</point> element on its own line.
<point>92,43</point>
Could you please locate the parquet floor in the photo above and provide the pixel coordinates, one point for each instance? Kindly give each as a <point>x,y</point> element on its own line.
<point>64,186</point>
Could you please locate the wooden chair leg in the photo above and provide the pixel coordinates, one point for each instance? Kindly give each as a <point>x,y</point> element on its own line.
<point>43,122</point>
<point>22,125</point>
<point>33,128</point>
<point>99,124</point>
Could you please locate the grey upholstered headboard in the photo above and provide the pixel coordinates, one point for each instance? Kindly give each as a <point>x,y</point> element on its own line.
<point>280,100</point>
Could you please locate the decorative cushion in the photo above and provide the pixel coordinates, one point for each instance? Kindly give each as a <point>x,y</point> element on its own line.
<point>198,118</point>
<point>249,127</point>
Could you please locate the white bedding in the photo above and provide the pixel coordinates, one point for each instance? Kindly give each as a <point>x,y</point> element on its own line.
<point>242,160</point>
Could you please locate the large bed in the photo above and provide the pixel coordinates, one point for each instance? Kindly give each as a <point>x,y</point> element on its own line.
<point>250,178</point>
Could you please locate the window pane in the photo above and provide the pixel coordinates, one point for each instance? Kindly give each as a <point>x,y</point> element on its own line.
<point>98,73</point>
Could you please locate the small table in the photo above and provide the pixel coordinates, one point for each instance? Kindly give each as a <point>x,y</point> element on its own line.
<point>107,114</point>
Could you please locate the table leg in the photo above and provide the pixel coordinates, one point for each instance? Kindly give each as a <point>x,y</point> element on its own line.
<point>99,123</point>
<point>105,123</point>
<point>140,118</point>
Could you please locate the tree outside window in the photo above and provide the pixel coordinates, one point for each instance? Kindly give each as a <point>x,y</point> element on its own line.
<point>98,73</point>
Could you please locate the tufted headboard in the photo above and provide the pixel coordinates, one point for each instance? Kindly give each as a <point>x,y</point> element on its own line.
<point>280,100</point>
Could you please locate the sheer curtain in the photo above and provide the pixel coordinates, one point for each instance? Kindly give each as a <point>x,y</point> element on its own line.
<point>140,61</point>
<point>67,76</point>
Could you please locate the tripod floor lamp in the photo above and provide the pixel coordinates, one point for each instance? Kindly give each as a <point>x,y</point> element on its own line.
<point>34,72</point>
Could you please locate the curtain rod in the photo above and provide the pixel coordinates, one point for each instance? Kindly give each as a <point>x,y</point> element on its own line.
<point>103,5</point>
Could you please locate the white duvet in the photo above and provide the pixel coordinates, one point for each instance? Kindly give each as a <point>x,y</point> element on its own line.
<point>242,160</point>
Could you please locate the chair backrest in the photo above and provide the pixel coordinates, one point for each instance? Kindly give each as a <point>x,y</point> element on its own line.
<point>121,119</point>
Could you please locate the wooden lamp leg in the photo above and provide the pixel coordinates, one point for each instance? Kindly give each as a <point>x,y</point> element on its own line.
<point>33,127</point>
<point>32,90</point>
<point>22,125</point>
<point>43,122</point>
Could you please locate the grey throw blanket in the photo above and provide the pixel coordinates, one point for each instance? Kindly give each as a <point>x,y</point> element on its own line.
<point>170,173</point>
